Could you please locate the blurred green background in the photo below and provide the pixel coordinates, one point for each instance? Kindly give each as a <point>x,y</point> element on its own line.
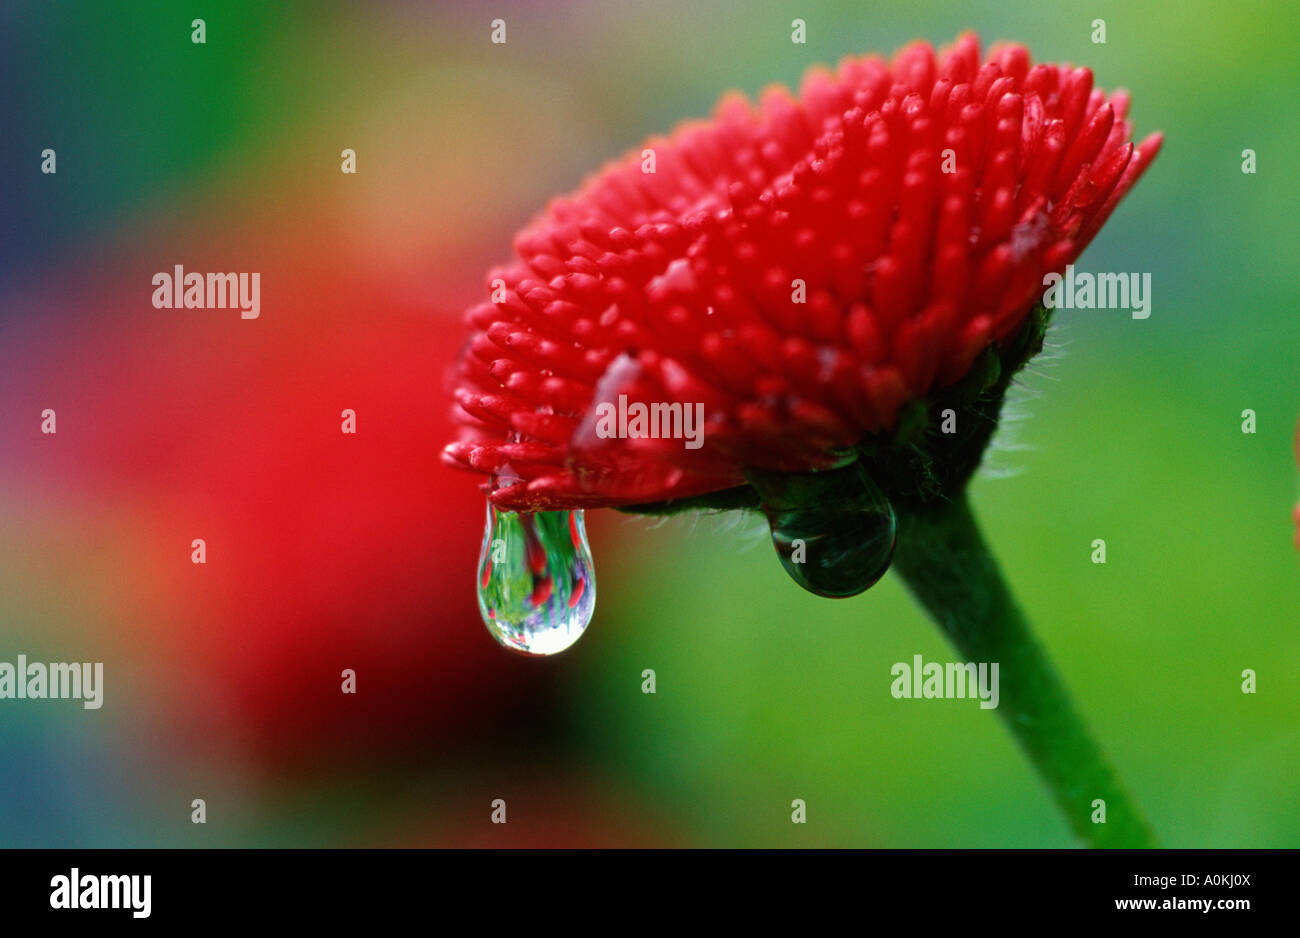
<point>1131,433</point>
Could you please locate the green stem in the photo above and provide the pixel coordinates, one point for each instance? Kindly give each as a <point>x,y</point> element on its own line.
<point>949,569</point>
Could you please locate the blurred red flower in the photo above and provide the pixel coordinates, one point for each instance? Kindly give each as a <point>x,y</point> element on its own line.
<point>325,551</point>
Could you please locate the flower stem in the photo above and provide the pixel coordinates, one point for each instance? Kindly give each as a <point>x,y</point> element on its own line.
<point>949,569</point>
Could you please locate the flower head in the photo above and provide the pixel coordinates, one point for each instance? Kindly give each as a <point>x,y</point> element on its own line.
<point>807,269</point>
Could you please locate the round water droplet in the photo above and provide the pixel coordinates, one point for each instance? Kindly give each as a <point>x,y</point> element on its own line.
<point>536,582</point>
<point>834,553</point>
<point>834,531</point>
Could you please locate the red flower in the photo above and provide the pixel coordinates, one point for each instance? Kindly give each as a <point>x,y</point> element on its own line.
<point>175,427</point>
<point>802,268</point>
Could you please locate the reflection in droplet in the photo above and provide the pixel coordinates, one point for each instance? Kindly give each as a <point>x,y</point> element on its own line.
<point>536,583</point>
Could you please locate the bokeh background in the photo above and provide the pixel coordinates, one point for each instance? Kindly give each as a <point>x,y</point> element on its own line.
<point>328,551</point>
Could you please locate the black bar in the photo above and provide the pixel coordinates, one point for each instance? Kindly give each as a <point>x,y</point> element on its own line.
<point>455,889</point>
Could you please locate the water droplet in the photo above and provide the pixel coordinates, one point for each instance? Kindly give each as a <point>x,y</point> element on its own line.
<point>833,531</point>
<point>536,582</point>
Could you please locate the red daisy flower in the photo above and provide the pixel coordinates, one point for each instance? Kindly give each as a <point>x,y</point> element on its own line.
<point>802,268</point>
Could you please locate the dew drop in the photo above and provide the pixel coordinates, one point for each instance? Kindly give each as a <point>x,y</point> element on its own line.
<point>844,552</point>
<point>834,532</point>
<point>536,582</point>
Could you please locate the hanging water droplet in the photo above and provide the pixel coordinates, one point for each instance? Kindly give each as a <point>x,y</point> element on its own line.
<point>834,553</point>
<point>833,531</point>
<point>536,582</point>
